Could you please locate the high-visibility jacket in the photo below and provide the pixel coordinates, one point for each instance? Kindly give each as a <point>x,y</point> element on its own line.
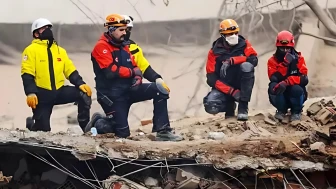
<point>142,62</point>
<point>48,66</point>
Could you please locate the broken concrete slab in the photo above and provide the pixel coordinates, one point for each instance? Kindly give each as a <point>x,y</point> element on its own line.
<point>325,115</point>
<point>314,108</point>
<point>216,135</point>
<point>318,147</point>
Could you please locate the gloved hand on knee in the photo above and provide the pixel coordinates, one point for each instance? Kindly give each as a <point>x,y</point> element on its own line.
<point>236,94</point>
<point>280,87</point>
<point>225,65</point>
<point>32,101</point>
<point>86,89</point>
<point>162,85</point>
<point>137,80</point>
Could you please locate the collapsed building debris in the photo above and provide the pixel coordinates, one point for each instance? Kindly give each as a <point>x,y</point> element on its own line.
<point>216,153</point>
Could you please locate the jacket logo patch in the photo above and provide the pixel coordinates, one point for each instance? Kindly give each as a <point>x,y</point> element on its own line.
<point>116,59</point>
<point>25,58</point>
<point>128,60</point>
<point>104,51</point>
<point>294,72</point>
<point>59,59</point>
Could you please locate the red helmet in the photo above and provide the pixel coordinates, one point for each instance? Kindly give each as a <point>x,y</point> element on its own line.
<point>285,39</point>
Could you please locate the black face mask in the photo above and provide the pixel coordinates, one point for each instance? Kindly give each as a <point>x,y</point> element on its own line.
<point>280,54</point>
<point>47,34</point>
<point>127,36</point>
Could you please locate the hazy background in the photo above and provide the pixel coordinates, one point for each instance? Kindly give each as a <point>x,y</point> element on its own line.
<point>175,39</point>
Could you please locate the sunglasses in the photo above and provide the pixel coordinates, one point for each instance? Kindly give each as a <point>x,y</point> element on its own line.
<point>232,28</point>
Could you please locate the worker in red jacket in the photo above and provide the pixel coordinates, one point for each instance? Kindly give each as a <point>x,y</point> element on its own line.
<point>119,84</point>
<point>230,72</point>
<point>287,72</point>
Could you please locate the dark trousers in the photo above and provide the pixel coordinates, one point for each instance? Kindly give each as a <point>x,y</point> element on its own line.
<point>293,98</point>
<point>121,106</point>
<point>46,101</point>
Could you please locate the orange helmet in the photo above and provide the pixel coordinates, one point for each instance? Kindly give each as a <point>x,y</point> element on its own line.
<point>115,20</point>
<point>228,26</point>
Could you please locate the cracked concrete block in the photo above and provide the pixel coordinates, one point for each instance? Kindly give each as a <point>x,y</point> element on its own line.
<point>325,115</point>
<point>318,147</point>
<point>216,135</point>
<point>314,108</point>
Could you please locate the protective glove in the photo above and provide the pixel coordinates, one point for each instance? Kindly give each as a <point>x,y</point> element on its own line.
<point>32,101</point>
<point>236,94</point>
<point>162,85</point>
<point>280,87</point>
<point>136,72</point>
<point>137,80</point>
<point>225,65</point>
<point>86,89</point>
<point>289,58</point>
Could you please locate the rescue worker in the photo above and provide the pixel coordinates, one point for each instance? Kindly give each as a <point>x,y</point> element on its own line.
<point>119,84</point>
<point>43,68</point>
<point>230,72</point>
<point>287,72</point>
<point>148,72</point>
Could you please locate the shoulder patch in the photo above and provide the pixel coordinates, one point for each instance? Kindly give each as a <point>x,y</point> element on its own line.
<point>25,58</point>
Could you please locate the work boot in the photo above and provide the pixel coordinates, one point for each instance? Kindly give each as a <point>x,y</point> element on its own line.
<point>167,136</point>
<point>93,120</point>
<point>230,110</point>
<point>242,111</point>
<point>295,117</point>
<point>279,115</point>
<point>29,123</point>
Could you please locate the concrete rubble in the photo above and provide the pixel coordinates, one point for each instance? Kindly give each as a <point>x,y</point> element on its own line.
<point>225,147</point>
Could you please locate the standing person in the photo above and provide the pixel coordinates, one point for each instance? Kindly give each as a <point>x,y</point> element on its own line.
<point>119,85</point>
<point>288,75</point>
<point>230,72</point>
<point>43,68</point>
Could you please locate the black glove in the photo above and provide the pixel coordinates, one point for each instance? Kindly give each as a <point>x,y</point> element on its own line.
<point>225,65</point>
<point>236,94</point>
<point>136,72</point>
<point>137,80</point>
<point>280,87</point>
<point>289,58</point>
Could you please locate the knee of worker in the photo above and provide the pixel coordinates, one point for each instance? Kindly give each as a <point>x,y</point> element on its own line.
<point>104,126</point>
<point>296,91</point>
<point>246,67</point>
<point>212,105</point>
<point>271,86</point>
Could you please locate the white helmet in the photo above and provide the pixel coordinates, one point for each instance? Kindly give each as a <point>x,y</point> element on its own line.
<point>39,23</point>
<point>130,19</point>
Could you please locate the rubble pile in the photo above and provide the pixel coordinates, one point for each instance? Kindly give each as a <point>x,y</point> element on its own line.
<point>216,153</point>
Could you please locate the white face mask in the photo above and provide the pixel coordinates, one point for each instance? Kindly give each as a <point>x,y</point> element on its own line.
<point>232,40</point>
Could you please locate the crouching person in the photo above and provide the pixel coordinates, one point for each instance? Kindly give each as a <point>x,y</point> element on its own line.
<point>119,85</point>
<point>44,66</point>
<point>230,72</point>
<point>287,72</point>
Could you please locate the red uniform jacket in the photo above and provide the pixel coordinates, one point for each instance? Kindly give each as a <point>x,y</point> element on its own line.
<point>294,74</point>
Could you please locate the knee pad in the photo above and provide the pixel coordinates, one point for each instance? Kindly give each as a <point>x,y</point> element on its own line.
<point>213,106</point>
<point>246,67</point>
<point>104,126</point>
